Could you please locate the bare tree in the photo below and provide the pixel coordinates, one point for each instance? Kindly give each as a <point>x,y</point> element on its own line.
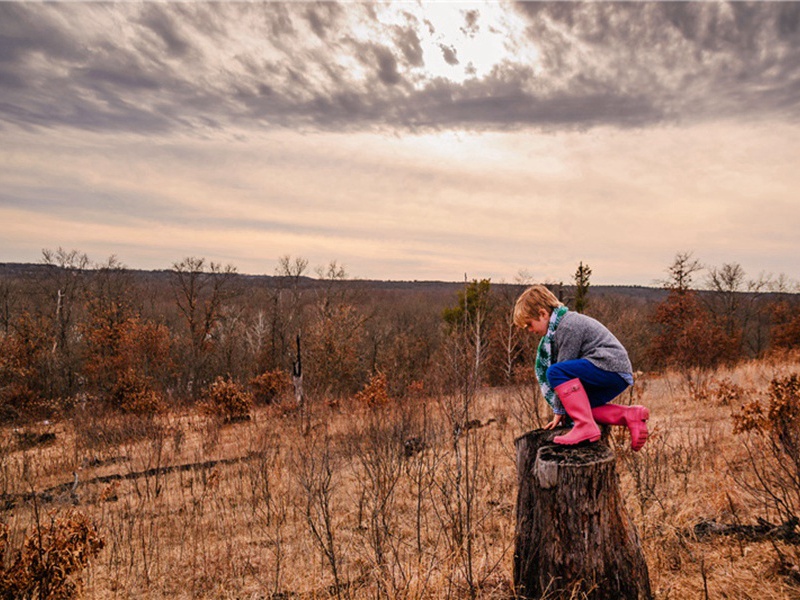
<point>65,287</point>
<point>727,283</point>
<point>681,272</point>
<point>335,362</point>
<point>286,321</point>
<point>200,291</point>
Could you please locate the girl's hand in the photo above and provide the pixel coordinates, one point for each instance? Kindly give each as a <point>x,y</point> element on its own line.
<point>554,423</point>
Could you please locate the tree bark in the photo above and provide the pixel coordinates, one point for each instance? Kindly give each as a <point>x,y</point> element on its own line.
<point>574,537</point>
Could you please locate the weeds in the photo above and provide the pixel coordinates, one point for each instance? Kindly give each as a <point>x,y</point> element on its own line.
<point>372,501</point>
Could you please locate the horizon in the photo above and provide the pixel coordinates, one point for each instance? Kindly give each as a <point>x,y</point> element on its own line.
<point>406,142</point>
<point>567,283</point>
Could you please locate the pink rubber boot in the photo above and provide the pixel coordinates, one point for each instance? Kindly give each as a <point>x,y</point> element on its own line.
<point>576,403</point>
<point>633,417</point>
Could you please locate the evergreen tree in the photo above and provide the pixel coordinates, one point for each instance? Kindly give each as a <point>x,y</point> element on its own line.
<point>582,287</point>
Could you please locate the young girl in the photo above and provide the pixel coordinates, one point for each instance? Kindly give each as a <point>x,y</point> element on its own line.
<point>581,367</point>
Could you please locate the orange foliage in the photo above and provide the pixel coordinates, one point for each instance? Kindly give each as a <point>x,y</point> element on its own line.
<point>524,374</point>
<point>127,359</point>
<point>376,392</point>
<point>23,364</point>
<point>227,399</point>
<point>271,385</point>
<point>786,327</point>
<point>51,561</point>
<point>688,337</point>
<point>781,415</point>
<point>334,362</point>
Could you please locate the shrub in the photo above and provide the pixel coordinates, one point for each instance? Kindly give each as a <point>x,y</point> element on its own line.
<point>271,386</point>
<point>721,392</point>
<point>782,414</point>
<point>52,558</point>
<point>772,440</point>
<point>727,393</point>
<point>376,392</point>
<point>133,395</point>
<point>16,401</point>
<point>227,400</point>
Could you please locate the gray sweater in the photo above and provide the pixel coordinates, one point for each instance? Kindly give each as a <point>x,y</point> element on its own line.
<point>579,336</point>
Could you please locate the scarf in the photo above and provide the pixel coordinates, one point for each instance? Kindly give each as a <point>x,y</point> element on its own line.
<point>544,356</point>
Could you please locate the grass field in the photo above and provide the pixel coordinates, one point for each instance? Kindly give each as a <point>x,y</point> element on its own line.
<point>411,499</point>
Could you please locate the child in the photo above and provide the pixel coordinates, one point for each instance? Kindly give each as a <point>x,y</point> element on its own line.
<point>581,367</point>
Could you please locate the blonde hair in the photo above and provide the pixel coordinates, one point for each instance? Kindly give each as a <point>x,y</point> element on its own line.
<point>531,301</point>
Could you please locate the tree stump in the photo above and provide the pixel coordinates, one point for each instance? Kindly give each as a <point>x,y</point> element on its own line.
<point>573,534</point>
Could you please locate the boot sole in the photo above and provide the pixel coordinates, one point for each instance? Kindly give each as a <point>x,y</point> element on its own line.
<point>590,440</point>
<point>642,417</point>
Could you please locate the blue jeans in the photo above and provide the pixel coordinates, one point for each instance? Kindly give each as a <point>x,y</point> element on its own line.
<point>601,386</point>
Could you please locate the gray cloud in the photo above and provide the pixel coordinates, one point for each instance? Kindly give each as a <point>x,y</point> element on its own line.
<point>450,54</point>
<point>693,59</point>
<point>322,17</point>
<point>471,26</point>
<point>387,66</point>
<point>409,44</point>
<point>162,24</point>
<point>622,64</point>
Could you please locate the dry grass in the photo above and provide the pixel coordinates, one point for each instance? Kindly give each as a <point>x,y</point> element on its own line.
<point>375,498</point>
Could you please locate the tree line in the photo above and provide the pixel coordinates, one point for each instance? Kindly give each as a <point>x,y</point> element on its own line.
<point>77,333</point>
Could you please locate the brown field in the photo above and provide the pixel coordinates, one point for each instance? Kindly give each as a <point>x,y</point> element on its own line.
<point>338,502</point>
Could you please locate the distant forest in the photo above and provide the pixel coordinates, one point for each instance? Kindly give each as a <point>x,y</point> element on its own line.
<point>76,332</point>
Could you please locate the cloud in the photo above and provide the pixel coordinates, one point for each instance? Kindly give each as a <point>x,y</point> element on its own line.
<point>387,66</point>
<point>471,26</point>
<point>322,17</point>
<point>162,24</point>
<point>408,42</point>
<point>693,59</point>
<point>450,54</point>
<point>145,67</point>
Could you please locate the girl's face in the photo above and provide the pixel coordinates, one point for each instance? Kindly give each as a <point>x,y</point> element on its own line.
<point>539,324</point>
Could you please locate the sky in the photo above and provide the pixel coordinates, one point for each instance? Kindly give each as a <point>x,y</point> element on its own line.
<point>404,140</point>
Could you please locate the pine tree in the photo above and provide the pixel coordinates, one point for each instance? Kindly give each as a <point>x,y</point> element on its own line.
<point>582,287</point>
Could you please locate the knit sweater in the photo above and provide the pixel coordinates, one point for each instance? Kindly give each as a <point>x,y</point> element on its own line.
<point>579,336</point>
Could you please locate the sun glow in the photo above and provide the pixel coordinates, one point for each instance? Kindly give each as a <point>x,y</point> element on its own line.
<point>458,40</point>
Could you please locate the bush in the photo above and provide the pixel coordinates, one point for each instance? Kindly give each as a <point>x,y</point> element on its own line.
<point>721,392</point>
<point>17,400</point>
<point>782,414</point>
<point>376,392</point>
<point>52,558</point>
<point>227,400</point>
<point>772,439</point>
<point>271,386</point>
<point>132,394</point>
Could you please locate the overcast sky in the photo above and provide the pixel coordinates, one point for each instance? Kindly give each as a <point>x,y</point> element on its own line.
<point>405,140</point>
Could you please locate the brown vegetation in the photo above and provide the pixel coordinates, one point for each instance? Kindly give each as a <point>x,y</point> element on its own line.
<point>159,407</point>
<point>383,499</point>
